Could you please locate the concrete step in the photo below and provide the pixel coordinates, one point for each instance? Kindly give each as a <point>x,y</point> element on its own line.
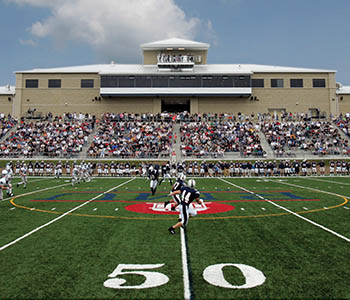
<point>177,144</point>
<point>83,153</point>
<point>265,145</point>
<point>13,129</point>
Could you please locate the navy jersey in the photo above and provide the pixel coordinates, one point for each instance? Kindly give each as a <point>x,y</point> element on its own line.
<point>154,175</point>
<point>188,195</point>
<point>177,185</point>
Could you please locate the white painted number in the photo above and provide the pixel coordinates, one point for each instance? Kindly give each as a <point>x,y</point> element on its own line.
<point>153,278</point>
<point>215,276</point>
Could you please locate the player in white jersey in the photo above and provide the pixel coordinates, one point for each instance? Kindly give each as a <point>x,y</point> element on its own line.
<point>75,175</point>
<point>8,177</point>
<point>23,173</point>
<point>99,169</point>
<point>67,166</point>
<point>84,172</point>
<point>58,170</point>
<point>5,185</point>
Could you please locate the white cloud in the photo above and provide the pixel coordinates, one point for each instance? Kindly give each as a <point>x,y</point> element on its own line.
<point>114,28</point>
<point>29,42</point>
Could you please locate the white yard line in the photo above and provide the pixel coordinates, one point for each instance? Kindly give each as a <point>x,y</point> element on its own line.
<point>329,181</point>
<point>291,212</point>
<point>63,215</point>
<point>187,291</point>
<point>36,191</point>
<point>308,188</point>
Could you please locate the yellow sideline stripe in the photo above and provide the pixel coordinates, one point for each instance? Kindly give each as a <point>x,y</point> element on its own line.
<point>168,218</point>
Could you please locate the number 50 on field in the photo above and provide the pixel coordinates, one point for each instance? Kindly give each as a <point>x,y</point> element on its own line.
<point>213,274</point>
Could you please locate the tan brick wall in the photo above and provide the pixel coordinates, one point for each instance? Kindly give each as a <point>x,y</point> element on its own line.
<point>71,98</point>
<point>290,99</point>
<point>295,99</point>
<point>6,106</point>
<point>344,103</point>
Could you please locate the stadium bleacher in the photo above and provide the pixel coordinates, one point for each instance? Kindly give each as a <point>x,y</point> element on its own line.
<point>153,136</point>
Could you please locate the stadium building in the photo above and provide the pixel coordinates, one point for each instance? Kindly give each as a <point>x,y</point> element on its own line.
<point>175,76</point>
<point>7,96</point>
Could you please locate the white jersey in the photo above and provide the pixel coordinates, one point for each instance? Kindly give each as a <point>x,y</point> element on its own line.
<point>3,181</point>
<point>24,171</point>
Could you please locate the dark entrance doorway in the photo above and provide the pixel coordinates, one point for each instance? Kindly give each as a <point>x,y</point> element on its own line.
<point>176,105</point>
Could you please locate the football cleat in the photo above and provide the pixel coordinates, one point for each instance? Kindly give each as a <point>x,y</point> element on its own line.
<point>171,230</point>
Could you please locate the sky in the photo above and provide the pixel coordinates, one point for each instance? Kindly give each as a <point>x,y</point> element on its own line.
<point>58,33</point>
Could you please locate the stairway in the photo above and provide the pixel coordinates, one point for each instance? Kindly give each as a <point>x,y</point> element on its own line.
<point>83,153</point>
<point>13,129</point>
<point>266,146</point>
<point>177,145</point>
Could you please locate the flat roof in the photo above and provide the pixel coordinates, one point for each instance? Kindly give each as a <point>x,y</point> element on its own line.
<point>175,44</point>
<point>7,90</point>
<point>344,90</point>
<point>138,69</point>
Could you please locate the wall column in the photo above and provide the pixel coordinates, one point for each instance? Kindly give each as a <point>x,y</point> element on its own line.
<point>157,105</point>
<point>17,100</point>
<point>194,106</point>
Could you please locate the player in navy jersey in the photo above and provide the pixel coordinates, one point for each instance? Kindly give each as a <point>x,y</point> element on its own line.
<point>176,199</point>
<point>154,177</point>
<point>188,194</point>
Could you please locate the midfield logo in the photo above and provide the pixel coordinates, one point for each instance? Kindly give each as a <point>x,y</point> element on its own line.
<point>158,208</point>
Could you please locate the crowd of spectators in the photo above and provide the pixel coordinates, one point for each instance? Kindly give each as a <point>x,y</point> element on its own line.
<point>202,139</point>
<point>316,137</point>
<point>343,122</point>
<point>149,135</point>
<point>131,139</point>
<point>56,138</point>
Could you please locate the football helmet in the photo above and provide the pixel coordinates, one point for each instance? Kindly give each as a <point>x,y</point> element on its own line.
<point>191,183</point>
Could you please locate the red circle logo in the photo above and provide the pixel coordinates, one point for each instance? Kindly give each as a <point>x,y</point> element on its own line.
<point>159,209</point>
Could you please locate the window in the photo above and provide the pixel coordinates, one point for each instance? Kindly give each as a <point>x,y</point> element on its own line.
<point>160,81</point>
<point>109,81</point>
<point>296,83</point>
<point>319,83</point>
<point>126,81</point>
<point>277,83</point>
<point>241,81</point>
<point>54,83</point>
<point>32,83</point>
<point>257,83</point>
<point>87,83</point>
<point>143,81</point>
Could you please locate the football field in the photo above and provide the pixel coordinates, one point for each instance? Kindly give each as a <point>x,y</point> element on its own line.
<point>253,238</point>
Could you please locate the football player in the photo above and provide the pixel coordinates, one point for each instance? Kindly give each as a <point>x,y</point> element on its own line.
<point>5,184</point>
<point>154,177</point>
<point>188,194</point>
<point>23,173</point>
<point>75,174</point>
<point>8,178</point>
<point>176,199</point>
<point>58,170</point>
